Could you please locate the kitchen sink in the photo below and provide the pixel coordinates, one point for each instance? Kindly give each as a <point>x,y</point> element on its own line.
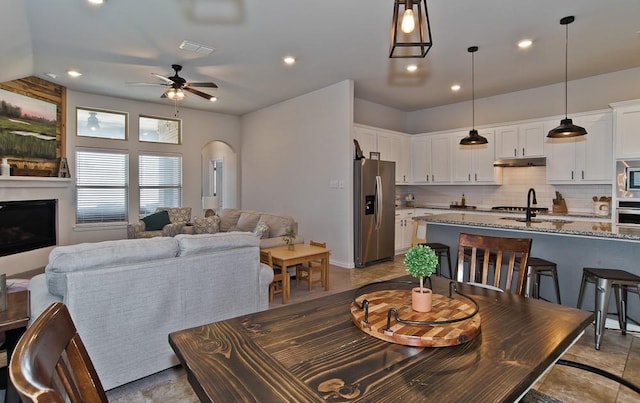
<point>537,220</point>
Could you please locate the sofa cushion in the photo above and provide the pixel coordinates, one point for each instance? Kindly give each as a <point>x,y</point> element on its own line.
<point>229,218</point>
<point>207,243</point>
<point>261,230</point>
<point>206,225</point>
<point>156,221</point>
<point>278,224</point>
<point>247,221</point>
<point>91,256</point>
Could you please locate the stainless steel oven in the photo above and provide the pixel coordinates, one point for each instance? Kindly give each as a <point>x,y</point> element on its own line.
<point>628,213</point>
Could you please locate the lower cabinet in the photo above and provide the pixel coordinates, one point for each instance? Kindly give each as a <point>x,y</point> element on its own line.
<point>403,229</point>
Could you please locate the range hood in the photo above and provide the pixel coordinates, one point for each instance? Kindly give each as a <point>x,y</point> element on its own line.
<point>521,162</point>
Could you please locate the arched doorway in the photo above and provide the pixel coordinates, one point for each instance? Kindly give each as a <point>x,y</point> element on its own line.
<point>220,174</point>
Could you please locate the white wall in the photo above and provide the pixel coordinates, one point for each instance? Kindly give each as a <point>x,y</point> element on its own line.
<point>592,93</point>
<point>198,129</point>
<point>376,115</point>
<point>290,153</point>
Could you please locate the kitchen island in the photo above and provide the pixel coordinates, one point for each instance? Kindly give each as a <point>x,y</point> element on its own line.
<point>572,245</point>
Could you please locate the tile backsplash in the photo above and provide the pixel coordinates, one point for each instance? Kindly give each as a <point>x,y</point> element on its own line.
<point>513,192</point>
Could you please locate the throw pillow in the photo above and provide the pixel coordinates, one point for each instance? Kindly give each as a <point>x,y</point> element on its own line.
<point>229,218</point>
<point>156,221</point>
<point>262,230</point>
<point>247,221</point>
<point>206,225</point>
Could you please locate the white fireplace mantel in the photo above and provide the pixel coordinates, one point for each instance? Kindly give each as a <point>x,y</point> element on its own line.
<point>34,182</point>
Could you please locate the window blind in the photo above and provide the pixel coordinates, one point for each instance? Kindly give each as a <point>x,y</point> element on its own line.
<point>160,179</point>
<point>102,183</point>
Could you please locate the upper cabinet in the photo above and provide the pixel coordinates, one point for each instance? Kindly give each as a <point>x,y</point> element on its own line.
<point>520,141</point>
<point>626,124</point>
<point>586,159</point>
<point>430,159</point>
<point>474,164</point>
<point>392,146</point>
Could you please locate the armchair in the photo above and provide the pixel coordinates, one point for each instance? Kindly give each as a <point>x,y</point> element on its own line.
<point>178,217</point>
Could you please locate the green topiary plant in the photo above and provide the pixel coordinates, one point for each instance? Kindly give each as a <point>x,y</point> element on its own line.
<point>289,236</point>
<point>421,261</point>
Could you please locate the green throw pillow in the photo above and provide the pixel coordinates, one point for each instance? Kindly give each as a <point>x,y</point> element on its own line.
<point>156,221</point>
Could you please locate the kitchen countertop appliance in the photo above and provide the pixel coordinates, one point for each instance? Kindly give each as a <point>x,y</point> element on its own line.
<point>374,211</point>
<point>628,193</point>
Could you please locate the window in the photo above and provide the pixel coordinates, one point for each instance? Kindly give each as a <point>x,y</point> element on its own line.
<point>160,182</point>
<point>159,130</point>
<point>102,184</point>
<point>101,124</point>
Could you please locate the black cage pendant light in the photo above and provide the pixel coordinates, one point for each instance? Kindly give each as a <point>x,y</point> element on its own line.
<point>410,30</point>
<point>473,138</point>
<point>566,128</point>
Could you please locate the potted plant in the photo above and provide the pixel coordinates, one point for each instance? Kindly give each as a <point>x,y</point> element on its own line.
<point>288,237</point>
<point>421,261</point>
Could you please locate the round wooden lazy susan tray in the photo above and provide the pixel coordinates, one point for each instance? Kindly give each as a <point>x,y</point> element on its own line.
<point>441,335</point>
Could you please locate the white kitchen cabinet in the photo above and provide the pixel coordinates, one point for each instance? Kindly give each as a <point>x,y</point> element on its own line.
<point>474,163</point>
<point>626,124</point>
<point>520,141</point>
<point>403,229</point>
<point>431,159</point>
<point>392,146</point>
<point>582,160</point>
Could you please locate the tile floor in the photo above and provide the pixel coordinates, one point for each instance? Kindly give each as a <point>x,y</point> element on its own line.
<point>619,355</point>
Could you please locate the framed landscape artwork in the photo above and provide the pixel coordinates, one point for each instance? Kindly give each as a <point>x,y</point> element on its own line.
<point>27,127</point>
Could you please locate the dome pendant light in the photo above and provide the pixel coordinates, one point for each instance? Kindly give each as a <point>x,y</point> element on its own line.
<point>473,138</point>
<point>566,128</point>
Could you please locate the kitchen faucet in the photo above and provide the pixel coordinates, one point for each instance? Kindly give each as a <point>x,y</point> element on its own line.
<point>531,191</point>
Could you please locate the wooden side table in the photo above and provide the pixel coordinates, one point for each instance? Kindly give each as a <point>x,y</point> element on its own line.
<point>13,322</point>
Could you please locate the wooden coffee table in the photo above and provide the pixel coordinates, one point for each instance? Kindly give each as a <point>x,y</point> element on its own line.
<point>302,253</point>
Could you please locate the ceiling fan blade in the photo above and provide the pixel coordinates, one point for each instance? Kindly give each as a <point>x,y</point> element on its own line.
<point>163,78</point>
<point>209,85</point>
<point>199,93</point>
<point>150,84</point>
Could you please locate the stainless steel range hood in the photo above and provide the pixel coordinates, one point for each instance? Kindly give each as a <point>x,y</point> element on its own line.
<point>520,162</point>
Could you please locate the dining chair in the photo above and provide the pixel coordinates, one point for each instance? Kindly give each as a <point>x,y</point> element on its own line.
<point>276,286</point>
<point>306,272</point>
<point>50,362</point>
<point>498,255</point>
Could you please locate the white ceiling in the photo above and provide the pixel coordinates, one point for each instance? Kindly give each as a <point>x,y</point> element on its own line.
<point>333,40</point>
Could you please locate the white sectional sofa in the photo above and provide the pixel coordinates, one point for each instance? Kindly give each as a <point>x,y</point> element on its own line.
<point>126,296</point>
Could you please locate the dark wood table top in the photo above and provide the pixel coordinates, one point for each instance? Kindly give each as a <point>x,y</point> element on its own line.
<point>17,313</point>
<point>312,351</point>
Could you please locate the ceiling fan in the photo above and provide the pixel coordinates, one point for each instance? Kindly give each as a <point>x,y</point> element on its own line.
<point>177,85</point>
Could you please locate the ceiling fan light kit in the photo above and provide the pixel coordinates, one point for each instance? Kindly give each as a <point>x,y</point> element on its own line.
<point>473,138</point>
<point>410,29</point>
<point>567,128</point>
<point>178,85</point>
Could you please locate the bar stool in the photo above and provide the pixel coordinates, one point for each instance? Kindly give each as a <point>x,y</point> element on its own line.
<point>605,280</point>
<point>537,267</point>
<point>441,251</point>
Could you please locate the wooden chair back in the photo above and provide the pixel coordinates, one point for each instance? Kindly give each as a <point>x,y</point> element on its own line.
<point>319,244</point>
<point>276,286</point>
<point>501,254</point>
<point>51,364</point>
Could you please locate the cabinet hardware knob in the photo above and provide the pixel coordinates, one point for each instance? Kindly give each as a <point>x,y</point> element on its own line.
<point>523,152</point>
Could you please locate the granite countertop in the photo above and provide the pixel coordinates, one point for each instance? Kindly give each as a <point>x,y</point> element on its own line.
<point>481,209</point>
<point>591,229</point>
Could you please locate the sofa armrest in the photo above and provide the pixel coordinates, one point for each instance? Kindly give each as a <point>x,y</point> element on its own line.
<point>265,278</point>
<point>135,228</point>
<point>39,296</point>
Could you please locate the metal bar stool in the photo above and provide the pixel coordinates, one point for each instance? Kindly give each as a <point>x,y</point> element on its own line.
<point>605,280</point>
<point>441,251</point>
<point>537,267</point>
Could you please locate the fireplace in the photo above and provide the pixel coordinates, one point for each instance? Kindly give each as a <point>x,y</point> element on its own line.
<point>27,225</point>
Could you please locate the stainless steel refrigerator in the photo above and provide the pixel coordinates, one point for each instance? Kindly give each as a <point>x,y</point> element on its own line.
<point>374,214</point>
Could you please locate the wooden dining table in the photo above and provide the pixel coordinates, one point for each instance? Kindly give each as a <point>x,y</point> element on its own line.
<point>313,352</point>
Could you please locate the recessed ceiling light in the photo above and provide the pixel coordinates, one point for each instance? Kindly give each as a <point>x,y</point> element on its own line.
<point>50,75</point>
<point>455,87</point>
<point>525,43</point>
<point>289,60</point>
<point>412,67</point>
<point>74,73</point>
<point>97,1</point>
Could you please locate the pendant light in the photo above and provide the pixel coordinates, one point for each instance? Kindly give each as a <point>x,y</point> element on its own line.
<point>473,138</point>
<point>566,128</point>
<point>410,30</point>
